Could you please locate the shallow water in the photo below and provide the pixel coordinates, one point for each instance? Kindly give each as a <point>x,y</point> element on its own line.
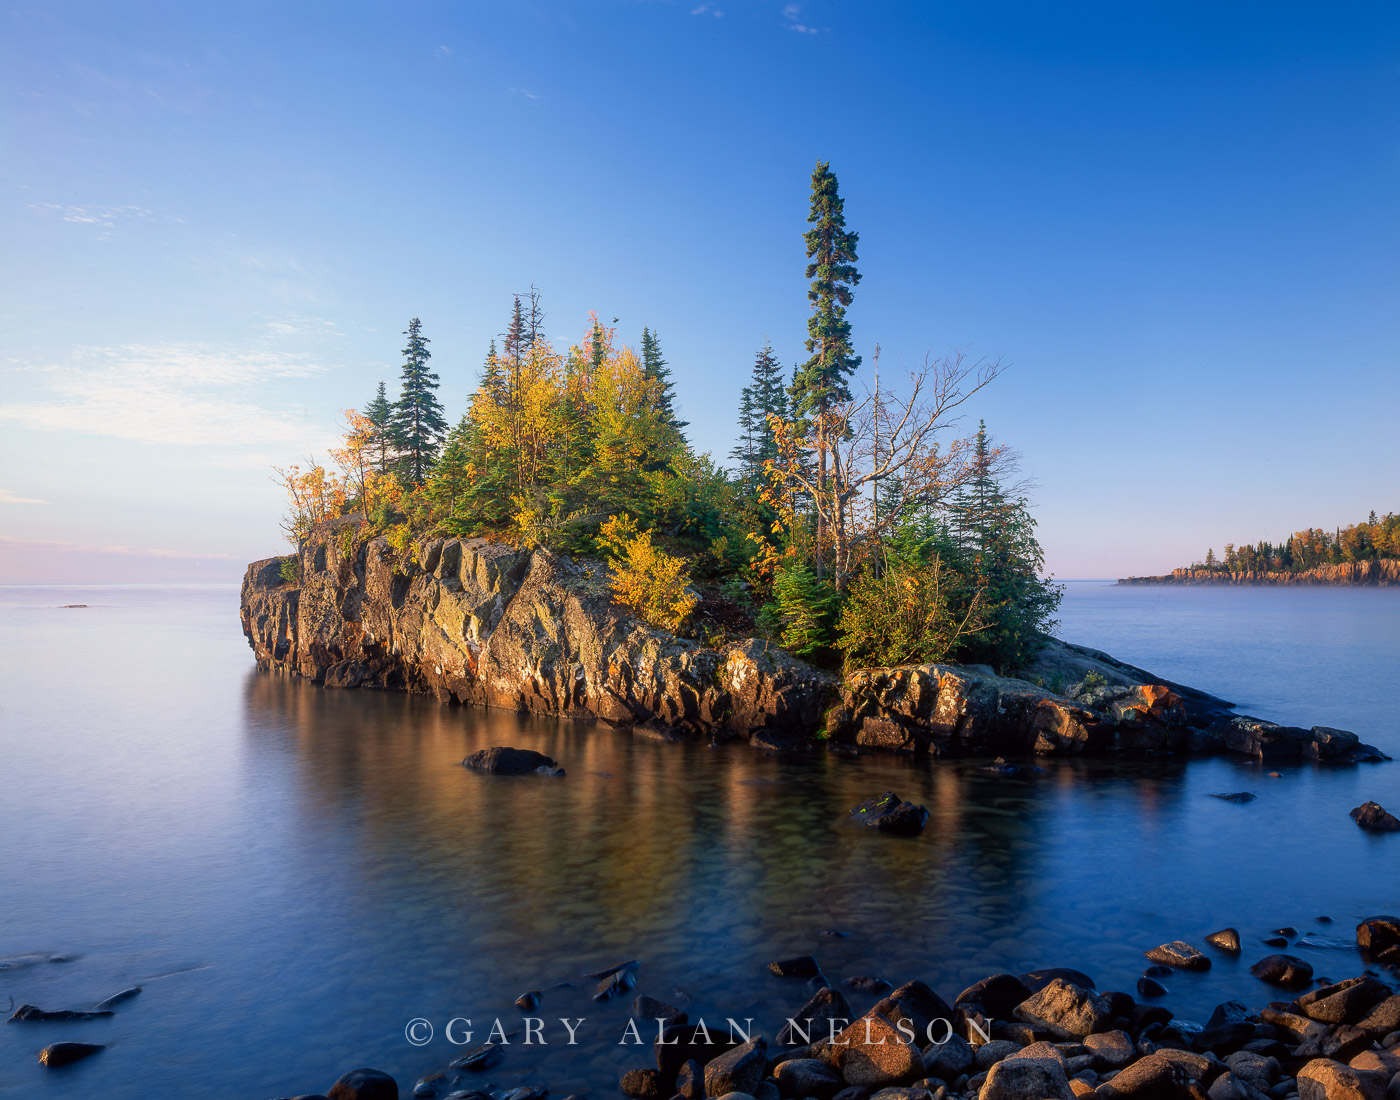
<point>293,874</point>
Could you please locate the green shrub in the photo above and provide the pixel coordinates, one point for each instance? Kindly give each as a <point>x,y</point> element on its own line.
<point>908,614</point>
<point>290,570</point>
<point>803,610</point>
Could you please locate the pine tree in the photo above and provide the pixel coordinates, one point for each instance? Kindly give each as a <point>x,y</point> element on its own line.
<point>765,395</point>
<point>380,413</point>
<point>821,381</point>
<point>493,378</point>
<point>418,422</point>
<point>655,368</point>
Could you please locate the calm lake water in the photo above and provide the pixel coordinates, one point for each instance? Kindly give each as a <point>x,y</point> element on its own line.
<point>293,874</point>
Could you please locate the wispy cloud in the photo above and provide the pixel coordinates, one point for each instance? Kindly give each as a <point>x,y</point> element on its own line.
<point>174,394</point>
<point>792,19</point>
<point>124,551</point>
<point>7,497</point>
<point>707,9</point>
<point>522,91</point>
<point>102,218</point>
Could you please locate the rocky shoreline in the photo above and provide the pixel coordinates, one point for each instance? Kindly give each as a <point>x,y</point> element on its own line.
<point>1361,574</point>
<point>1050,1033</point>
<point>480,623</point>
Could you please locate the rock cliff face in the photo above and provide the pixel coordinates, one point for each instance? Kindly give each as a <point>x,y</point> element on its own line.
<point>480,623</point>
<point>1361,574</point>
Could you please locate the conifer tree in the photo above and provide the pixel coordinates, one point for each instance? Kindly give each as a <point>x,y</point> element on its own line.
<point>380,414</point>
<point>418,422</point>
<point>655,368</point>
<point>820,383</point>
<point>765,395</point>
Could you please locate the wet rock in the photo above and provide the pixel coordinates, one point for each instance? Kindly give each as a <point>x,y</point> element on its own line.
<point>739,1069</point>
<point>948,1061</point>
<point>1383,1018</point>
<point>852,1092</point>
<point>1037,980</point>
<point>1275,941</point>
<point>649,1008</point>
<point>503,760</point>
<point>1026,1079</point>
<point>1229,1087</point>
<point>1284,970</point>
<point>1199,1067</point>
<point>642,1084</point>
<point>364,1084</point>
<point>863,984</point>
<point>1376,934</point>
<point>65,1054</point>
<point>1227,939</point>
<point>1237,796</point>
<point>989,1054</point>
<point>34,1015</point>
<point>1223,1038</point>
<point>998,995</point>
<point>1112,1049</point>
<point>1179,955</point>
<point>1340,1042</point>
<point>1158,971</point>
<point>482,1058</point>
<point>1343,1003</point>
<point>1155,1077</point>
<point>527,1092</point>
<point>607,972</point>
<point>690,1080</point>
<point>1150,987</point>
<point>116,999</point>
<point>802,1077</point>
<point>618,982</point>
<point>1286,930</point>
<point>803,966</point>
<point>1375,817</point>
<point>1324,1079</point>
<point>889,814</point>
<point>528,1002</point>
<point>428,1087</point>
<point>1066,1011</point>
<point>872,1053</point>
<point>811,1022</point>
<point>920,1006</point>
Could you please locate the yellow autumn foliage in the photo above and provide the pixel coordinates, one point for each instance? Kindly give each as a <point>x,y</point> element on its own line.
<point>645,578</point>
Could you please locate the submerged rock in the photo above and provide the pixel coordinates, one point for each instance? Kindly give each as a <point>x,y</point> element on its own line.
<point>33,1014</point>
<point>1375,817</point>
<point>117,998</point>
<point>1179,955</point>
<point>889,814</point>
<point>504,760</point>
<point>1237,796</point>
<point>64,1054</point>
<point>803,966</point>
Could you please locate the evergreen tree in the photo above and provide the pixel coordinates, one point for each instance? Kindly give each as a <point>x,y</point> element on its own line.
<point>418,422</point>
<point>380,413</point>
<point>765,395</point>
<point>654,367</point>
<point>493,378</point>
<point>821,381</point>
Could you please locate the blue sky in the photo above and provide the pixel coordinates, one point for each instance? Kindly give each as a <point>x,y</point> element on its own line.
<point>1176,223</point>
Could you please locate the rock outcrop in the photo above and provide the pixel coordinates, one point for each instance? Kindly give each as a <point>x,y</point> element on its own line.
<point>1362,574</point>
<point>482,623</point>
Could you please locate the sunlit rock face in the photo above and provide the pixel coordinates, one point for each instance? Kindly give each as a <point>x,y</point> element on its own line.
<point>484,623</point>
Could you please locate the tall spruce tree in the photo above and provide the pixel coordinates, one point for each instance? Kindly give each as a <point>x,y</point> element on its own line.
<point>821,381</point>
<point>655,368</point>
<point>418,422</point>
<point>380,413</point>
<point>765,395</point>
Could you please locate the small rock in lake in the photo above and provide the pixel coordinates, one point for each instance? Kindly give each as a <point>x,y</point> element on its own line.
<point>527,1092</point>
<point>64,1054</point>
<point>1227,939</point>
<point>36,1015</point>
<point>1375,817</point>
<point>1157,970</point>
<point>503,760</point>
<point>364,1084</point>
<point>889,814</point>
<point>430,1086</point>
<point>803,966</point>
<point>630,964</point>
<point>482,1058</point>
<point>1286,930</point>
<point>867,985</point>
<point>649,1008</point>
<point>1151,987</point>
<point>1237,796</point>
<point>620,981</point>
<point>1275,941</point>
<point>1179,955</point>
<point>117,998</point>
<point>1284,970</point>
<point>528,1002</point>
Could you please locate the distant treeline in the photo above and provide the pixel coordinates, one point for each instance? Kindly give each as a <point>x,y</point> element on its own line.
<point>1373,540</point>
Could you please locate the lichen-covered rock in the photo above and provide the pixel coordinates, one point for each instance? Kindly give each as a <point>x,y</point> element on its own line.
<point>1324,1079</point>
<point>1065,1010</point>
<point>1026,1079</point>
<point>873,1054</point>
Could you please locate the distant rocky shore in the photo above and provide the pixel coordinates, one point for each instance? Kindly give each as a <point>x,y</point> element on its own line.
<point>1361,574</point>
<point>481,623</point>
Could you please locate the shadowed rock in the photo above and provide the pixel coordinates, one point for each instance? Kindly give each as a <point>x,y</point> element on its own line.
<point>889,814</point>
<point>504,760</point>
<point>1376,818</point>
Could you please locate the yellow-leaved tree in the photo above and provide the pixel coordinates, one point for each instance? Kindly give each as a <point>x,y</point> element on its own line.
<point>650,581</point>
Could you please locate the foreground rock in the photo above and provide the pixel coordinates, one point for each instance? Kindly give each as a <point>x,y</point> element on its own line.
<point>1179,956</point>
<point>36,1015</point>
<point>481,623</point>
<point>364,1084</point>
<point>65,1054</point>
<point>503,760</point>
<point>1375,817</point>
<point>890,814</point>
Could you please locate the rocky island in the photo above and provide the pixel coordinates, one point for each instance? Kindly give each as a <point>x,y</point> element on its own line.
<point>477,622</point>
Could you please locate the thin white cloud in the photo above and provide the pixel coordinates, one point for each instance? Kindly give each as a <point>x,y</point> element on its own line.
<point>792,19</point>
<point>124,551</point>
<point>522,91</point>
<point>173,394</point>
<point>707,9</point>
<point>7,497</point>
